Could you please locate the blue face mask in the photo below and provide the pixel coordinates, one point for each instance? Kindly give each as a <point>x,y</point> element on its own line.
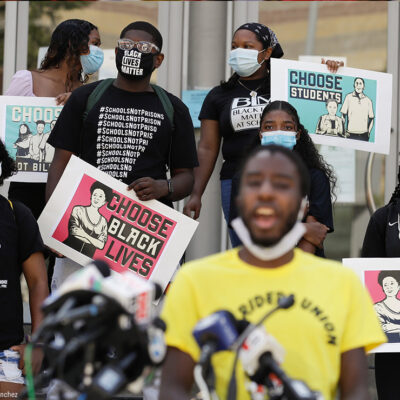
<point>280,138</point>
<point>244,61</point>
<point>92,62</point>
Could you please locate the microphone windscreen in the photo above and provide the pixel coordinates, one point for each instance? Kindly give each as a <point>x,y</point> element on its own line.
<point>159,323</point>
<point>241,325</point>
<point>103,267</point>
<point>286,302</point>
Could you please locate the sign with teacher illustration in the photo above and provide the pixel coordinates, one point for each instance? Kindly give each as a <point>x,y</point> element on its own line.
<point>381,277</point>
<point>351,108</point>
<point>25,126</point>
<point>91,215</point>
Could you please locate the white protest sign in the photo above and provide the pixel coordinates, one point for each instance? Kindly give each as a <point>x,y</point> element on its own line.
<point>92,215</point>
<point>351,108</point>
<point>25,126</point>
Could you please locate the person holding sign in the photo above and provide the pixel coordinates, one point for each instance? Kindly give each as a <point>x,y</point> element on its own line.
<point>61,71</point>
<point>280,125</point>
<point>21,251</point>
<point>324,335</point>
<point>128,128</point>
<point>382,239</point>
<point>231,112</point>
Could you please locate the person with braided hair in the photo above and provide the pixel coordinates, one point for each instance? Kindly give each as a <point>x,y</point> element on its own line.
<point>382,239</point>
<point>231,112</point>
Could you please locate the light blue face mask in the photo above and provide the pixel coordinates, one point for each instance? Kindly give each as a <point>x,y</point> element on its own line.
<point>244,61</point>
<point>92,62</point>
<point>280,138</point>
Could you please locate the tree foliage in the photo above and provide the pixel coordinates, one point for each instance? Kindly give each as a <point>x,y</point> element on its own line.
<point>43,17</point>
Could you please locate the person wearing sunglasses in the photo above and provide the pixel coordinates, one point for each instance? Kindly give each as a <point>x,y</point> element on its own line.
<point>128,133</point>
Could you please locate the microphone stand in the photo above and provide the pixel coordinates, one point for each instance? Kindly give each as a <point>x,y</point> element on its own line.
<point>283,303</point>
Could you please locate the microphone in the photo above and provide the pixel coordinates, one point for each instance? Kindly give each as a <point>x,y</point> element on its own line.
<point>215,332</point>
<point>100,324</point>
<point>257,343</point>
<point>86,278</point>
<point>283,303</point>
<point>135,294</point>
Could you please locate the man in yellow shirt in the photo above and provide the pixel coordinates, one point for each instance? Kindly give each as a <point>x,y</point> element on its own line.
<point>325,333</point>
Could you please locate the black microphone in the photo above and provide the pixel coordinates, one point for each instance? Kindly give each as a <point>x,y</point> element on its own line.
<point>293,389</point>
<point>283,303</point>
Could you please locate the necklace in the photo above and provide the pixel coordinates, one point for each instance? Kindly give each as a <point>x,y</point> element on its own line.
<point>253,93</point>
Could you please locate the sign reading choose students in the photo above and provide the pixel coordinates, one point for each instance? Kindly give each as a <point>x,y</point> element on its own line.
<point>351,108</point>
<point>92,216</point>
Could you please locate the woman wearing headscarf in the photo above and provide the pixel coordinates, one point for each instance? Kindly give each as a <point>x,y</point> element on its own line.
<point>231,112</point>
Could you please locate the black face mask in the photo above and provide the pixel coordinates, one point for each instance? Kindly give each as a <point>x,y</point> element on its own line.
<point>134,65</point>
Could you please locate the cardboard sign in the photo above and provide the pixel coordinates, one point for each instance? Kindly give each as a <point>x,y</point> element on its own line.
<point>25,126</point>
<point>91,215</point>
<point>381,277</point>
<point>349,109</point>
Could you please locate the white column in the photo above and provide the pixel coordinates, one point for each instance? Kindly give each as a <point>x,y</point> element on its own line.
<point>15,39</point>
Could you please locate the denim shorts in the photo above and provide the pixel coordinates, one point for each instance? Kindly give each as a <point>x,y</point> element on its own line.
<point>9,371</point>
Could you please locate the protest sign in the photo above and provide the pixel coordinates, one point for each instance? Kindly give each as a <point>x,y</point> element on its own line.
<point>351,108</point>
<point>381,277</point>
<point>91,215</point>
<point>25,126</point>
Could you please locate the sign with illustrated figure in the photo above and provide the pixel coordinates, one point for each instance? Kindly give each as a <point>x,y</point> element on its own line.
<point>25,126</point>
<point>381,277</point>
<point>91,215</point>
<point>351,108</point>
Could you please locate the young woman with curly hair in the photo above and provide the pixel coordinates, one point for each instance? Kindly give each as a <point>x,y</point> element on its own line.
<point>73,53</point>
<point>280,124</point>
<point>62,70</point>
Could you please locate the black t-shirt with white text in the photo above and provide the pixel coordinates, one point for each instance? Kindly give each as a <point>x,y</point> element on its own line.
<point>238,115</point>
<point>126,134</point>
<point>19,239</point>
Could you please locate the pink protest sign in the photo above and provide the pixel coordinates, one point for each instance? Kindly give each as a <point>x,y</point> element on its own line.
<point>104,224</point>
<point>381,277</point>
<point>92,215</point>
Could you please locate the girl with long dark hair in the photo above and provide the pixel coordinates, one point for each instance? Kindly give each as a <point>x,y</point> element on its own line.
<point>73,45</point>
<point>280,124</point>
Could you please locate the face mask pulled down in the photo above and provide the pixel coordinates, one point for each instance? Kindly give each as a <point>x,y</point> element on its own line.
<point>134,65</point>
<point>285,244</point>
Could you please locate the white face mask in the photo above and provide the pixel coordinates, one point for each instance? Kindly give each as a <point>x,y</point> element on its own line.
<point>285,244</point>
<point>244,61</point>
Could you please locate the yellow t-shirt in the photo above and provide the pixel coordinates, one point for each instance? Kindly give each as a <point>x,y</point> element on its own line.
<point>332,313</point>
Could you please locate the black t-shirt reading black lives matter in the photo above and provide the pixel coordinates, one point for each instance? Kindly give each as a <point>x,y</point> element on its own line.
<point>126,134</point>
<point>238,115</point>
<point>19,239</point>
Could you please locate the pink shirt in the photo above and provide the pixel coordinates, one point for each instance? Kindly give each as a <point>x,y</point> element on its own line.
<point>21,84</point>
